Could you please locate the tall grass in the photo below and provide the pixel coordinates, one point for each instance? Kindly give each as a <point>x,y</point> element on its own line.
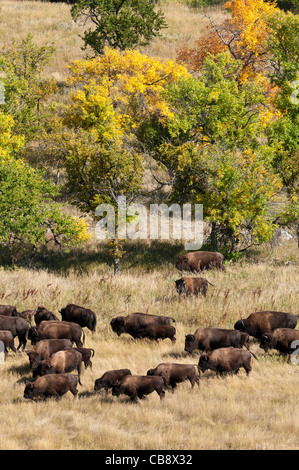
<point>237,412</point>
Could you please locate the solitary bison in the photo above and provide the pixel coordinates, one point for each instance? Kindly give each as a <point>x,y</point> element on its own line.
<point>135,322</point>
<point>8,310</point>
<point>81,315</point>
<point>60,363</point>
<point>43,314</point>
<point>280,339</point>
<point>176,373</point>
<point>45,348</point>
<point>57,330</point>
<point>192,285</point>
<point>259,322</point>
<point>7,338</point>
<point>226,360</point>
<point>110,378</point>
<point>156,332</point>
<point>52,386</point>
<point>207,339</point>
<point>137,386</point>
<point>17,326</point>
<point>200,260</point>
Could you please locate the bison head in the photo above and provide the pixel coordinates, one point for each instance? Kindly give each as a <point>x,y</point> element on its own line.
<point>180,286</point>
<point>117,389</point>
<point>33,335</point>
<point>266,341</point>
<point>203,363</point>
<point>118,325</point>
<point>182,263</point>
<point>190,343</point>
<point>240,325</point>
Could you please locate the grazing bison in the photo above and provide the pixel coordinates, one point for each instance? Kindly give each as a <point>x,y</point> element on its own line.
<point>81,315</point>
<point>8,310</point>
<point>192,285</point>
<point>42,314</point>
<point>226,360</point>
<point>176,373</point>
<point>17,326</point>
<point>280,339</point>
<point>156,332</point>
<point>137,386</point>
<point>87,353</point>
<point>57,330</point>
<point>60,363</point>
<point>7,339</point>
<point>110,378</point>
<point>200,260</point>
<point>135,322</point>
<point>259,322</point>
<point>45,348</point>
<point>51,386</point>
<point>207,339</point>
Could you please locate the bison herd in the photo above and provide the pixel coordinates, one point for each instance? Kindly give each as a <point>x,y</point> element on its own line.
<point>59,344</point>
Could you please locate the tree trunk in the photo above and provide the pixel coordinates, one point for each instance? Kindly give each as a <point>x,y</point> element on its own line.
<point>116,263</point>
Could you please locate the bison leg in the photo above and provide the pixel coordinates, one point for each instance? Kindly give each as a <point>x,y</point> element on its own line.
<point>161,393</point>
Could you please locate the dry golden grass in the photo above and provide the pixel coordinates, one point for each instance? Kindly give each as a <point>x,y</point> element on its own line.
<point>232,412</point>
<point>52,23</point>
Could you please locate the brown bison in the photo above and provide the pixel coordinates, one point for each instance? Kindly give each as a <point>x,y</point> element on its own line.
<point>87,353</point>
<point>199,260</point>
<point>156,332</point>
<point>57,330</point>
<point>207,339</point>
<point>224,360</point>
<point>192,286</point>
<point>7,339</point>
<point>259,322</point>
<point>81,315</point>
<point>280,339</point>
<point>110,378</point>
<point>43,314</point>
<point>138,386</point>
<point>59,363</point>
<point>8,310</point>
<point>52,385</point>
<point>45,348</point>
<point>133,324</point>
<point>17,326</point>
<point>176,373</point>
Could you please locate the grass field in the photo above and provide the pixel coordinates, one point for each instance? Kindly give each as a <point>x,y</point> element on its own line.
<point>229,412</point>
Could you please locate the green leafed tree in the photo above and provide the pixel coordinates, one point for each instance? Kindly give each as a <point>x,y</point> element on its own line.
<point>119,24</point>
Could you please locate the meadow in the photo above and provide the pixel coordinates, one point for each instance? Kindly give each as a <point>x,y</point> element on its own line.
<point>223,413</point>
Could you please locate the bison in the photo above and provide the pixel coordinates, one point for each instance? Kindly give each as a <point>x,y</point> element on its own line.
<point>200,260</point>
<point>51,386</point>
<point>60,363</point>
<point>135,322</point>
<point>45,348</point>
<point>176,373</point>
<point>87,353</point>
<point>110,378</point>
<point>224,360</point>
<point>81,315</point>
<point>7,339</point>
<point>8,310</point>
<point>137,386</point>
<point>42,314</point>
<point>57,330</point>
<point>192,285</point>
<point>280,339</point>
<point>207,339</point>
<point>156,332</point>
<point>17,326</point>
<point>259,322</point>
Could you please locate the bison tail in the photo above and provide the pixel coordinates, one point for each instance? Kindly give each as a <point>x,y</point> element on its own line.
<point>253,355</point>
<point>210,283</point>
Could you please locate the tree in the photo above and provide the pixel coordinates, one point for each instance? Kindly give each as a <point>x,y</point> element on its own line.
<point>119,24</point>
<point>28,209</point>
<point>26,89</point>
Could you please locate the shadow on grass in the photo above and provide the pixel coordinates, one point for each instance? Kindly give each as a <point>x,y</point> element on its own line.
<point>138,255</point>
